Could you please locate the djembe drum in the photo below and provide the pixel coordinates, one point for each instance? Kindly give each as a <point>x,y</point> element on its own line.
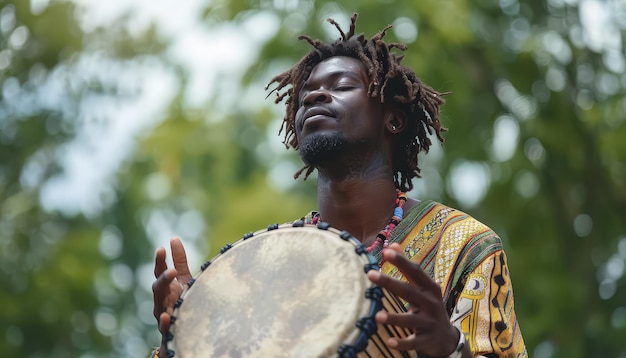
<point>292,290</point>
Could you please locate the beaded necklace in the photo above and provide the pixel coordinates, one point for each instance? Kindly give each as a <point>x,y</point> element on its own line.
<point>381,242</point>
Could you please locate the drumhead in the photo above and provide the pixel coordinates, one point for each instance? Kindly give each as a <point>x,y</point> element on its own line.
<point>287,292</point>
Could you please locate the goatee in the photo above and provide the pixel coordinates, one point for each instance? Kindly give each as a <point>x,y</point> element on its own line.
<point>319,148</point>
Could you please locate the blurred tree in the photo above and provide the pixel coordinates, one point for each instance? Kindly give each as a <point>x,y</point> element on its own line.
<point>536,116</point>
<point>61,287</point>
<point>46,261</point>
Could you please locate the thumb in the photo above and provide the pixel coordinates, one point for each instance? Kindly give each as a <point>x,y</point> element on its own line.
<point>179,256</point>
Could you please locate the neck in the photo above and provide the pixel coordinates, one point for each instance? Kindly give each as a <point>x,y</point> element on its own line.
<point>357,193</point>
<point>362,206</point>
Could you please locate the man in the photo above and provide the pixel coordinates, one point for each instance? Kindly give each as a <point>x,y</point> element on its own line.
<point>359,117</point>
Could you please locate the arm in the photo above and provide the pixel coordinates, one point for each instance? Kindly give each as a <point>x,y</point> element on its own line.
<point>485,310</point>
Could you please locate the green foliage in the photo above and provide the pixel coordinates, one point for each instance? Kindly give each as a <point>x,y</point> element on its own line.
<point>78,282</point>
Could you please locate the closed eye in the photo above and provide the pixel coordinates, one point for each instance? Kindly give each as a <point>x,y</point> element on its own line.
<point>346,83</point>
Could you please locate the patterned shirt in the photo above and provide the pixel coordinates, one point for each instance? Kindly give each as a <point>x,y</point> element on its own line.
<point>466,259</point>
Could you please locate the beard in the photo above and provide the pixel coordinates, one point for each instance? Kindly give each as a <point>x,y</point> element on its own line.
<point>319,148</point>
<point>326,148</point>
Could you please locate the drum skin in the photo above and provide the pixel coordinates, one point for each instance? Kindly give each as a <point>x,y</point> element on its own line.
<point>285,292</point>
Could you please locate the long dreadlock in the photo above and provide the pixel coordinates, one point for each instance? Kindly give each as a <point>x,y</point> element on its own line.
<point>389,80</point>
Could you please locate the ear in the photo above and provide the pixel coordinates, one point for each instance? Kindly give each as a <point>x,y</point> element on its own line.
<point>395,120</point>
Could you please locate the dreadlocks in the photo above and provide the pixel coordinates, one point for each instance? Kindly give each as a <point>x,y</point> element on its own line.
<point>389,80</point>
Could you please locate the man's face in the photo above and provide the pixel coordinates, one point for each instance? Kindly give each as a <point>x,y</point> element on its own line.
<point>335,110</point>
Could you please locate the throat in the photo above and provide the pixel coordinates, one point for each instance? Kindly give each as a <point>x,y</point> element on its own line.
<point>375,239</point>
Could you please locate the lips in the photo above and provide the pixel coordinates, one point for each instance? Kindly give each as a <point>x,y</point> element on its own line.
<point>316,114</point>
<point>317,111</point>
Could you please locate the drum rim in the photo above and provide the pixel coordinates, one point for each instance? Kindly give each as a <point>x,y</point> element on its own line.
<point>366,325</point>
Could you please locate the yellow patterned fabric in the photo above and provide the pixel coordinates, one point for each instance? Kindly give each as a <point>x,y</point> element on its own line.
<point>155,353</point>
<point>466,259</point>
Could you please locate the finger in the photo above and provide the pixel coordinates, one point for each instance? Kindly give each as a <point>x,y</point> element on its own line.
<point>164,326</point>
<point>405,320</point>
<point>159,262</point>
<point>164,323</point>
<point>179,256</point>
<point>403,344</point>
<point>410,293</point>
<point>412,271</point>
<point>161,289</point>
<point>419,323</point>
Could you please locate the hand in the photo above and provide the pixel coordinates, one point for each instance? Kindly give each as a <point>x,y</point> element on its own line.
<point>433,334</point>
<point>169,285</point>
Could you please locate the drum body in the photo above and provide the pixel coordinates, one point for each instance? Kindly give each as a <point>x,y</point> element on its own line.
<point>284,292</point>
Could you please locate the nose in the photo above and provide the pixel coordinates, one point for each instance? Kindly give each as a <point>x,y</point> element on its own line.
<point>319,95</point>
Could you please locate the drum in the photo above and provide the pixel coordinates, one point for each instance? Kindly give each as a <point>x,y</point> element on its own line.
<point>292,290</point>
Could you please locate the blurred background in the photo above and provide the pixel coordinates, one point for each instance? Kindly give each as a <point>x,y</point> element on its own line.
<point>124,123</point>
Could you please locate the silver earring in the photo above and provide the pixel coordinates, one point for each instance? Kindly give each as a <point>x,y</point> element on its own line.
<point>393,128</point>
